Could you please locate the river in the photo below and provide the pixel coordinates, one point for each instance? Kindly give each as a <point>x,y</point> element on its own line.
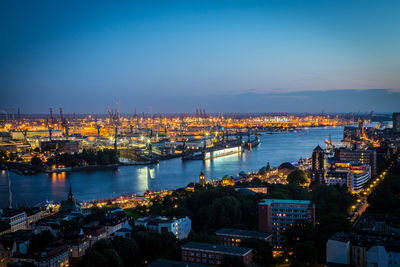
<point>274,148</point>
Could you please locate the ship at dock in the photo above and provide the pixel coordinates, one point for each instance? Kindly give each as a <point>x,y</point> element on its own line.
<point>230,148</point>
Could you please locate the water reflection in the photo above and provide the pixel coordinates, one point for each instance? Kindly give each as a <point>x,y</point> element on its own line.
<point>142,178</point>
<point>275,148</point>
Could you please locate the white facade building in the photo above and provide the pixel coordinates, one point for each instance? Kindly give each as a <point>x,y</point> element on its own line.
<point>17,220</point>
<point>338,249</point>
<point>179,227</point>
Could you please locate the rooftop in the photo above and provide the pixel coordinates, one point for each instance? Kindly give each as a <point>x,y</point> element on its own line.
<point>170,263</point>
<point>340,236</point>
<point>284,201</point>
<point>242,233</point>
<point>217,248</point>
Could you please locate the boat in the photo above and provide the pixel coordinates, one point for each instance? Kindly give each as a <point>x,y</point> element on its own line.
<point>211,153</point>
<point>222,152</point>
<point>253,143</point>
<point>192,155</point>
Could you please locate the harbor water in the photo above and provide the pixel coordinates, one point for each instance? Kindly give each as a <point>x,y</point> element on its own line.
<point>275,148</point>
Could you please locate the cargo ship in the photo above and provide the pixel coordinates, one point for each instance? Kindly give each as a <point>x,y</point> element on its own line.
<point>212,153</point>
<point>222,152</point>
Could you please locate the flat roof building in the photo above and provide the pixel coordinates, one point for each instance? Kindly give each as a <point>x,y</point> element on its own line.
<point>277,215</point>
<point>233,237</point>
<point>213,254</point>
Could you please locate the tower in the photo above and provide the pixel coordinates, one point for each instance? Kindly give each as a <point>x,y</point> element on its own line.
<point>70,195</point>
<point>396,122</point>
<point>319,165</point>
<point>202,179</point>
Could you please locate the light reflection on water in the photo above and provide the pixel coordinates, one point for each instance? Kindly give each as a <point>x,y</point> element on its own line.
<point>274,148</point>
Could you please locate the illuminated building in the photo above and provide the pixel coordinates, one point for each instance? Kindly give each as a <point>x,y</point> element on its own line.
<point>233,237</point>
<point>353,175</point>
<point>15,218</point>
<point>277,215</point>
<point>254,188</point>
<point>70,205</point>
<point>358,155</point>
<point>60,146</point>
<point>319,165</point>
<point>396,122</point>
<point>212,254</point>
<point>227,181</point>
<point>360,175</point>
<point>202,179</point>
<point>351,133</point>
<point>180,227</point>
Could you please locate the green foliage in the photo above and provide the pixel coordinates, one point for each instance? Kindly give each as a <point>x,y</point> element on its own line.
<point>385,198</point>
<point>290,191</point>
<point>36,161</point>
<point>297,177</point>
<point>11,156</point>
<point>224,211</point>
<point>304,254</point>
<point>93,258</point>
<point>112,257</point>
<point>153,245</point>
<point>301,238</point>
<point>203,238</point>
<point>119,252</point>
<point>262,171</point>
<point>39,241</point>
<point>96,215</point>
<point>72,225</point>
<point>127,249</point>
<point>209,208</point>
<point>331,209</point>
<point>262,251</point>
<point>90,157</point>
<point>232,261</point>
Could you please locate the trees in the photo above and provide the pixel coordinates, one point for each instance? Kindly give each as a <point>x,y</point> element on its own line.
<point>36,161</point>
<point>385,198</point>
<point>262,251</point>
<point>93,258</point>
<point>232,261</point>
<point>262,171</point>
<point>40,240</point>
<point>300,239</point>
<point>297,177</point>
<point>119,252</point>
<point>153,245</point>
<point>223,212</point>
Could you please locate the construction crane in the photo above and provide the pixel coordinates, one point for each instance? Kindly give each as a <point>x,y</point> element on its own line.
<point>50,129</point>
<point>64,123</point>
<point>98,127</point>
<point>115,120</point>
<point>51,116</point>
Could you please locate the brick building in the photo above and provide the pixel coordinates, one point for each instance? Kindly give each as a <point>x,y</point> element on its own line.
<point>212,254</point>
<point>233,237</point>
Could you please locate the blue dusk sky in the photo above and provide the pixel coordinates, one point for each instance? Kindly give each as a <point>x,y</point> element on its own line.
<point>228,56</point>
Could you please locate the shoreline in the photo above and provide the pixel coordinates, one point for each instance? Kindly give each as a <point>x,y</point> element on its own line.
<point>167,180</point>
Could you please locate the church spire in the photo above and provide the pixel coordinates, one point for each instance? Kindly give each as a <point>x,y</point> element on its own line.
<point>70,195</point>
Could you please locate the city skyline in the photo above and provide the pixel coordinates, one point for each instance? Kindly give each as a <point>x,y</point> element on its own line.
<point>175,56</point>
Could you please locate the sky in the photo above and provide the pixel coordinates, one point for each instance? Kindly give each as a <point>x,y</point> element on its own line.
<point>224,56</point>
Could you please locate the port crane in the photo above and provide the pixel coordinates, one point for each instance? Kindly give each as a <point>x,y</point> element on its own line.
<point>115,120</point>
<point>64,123</point>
